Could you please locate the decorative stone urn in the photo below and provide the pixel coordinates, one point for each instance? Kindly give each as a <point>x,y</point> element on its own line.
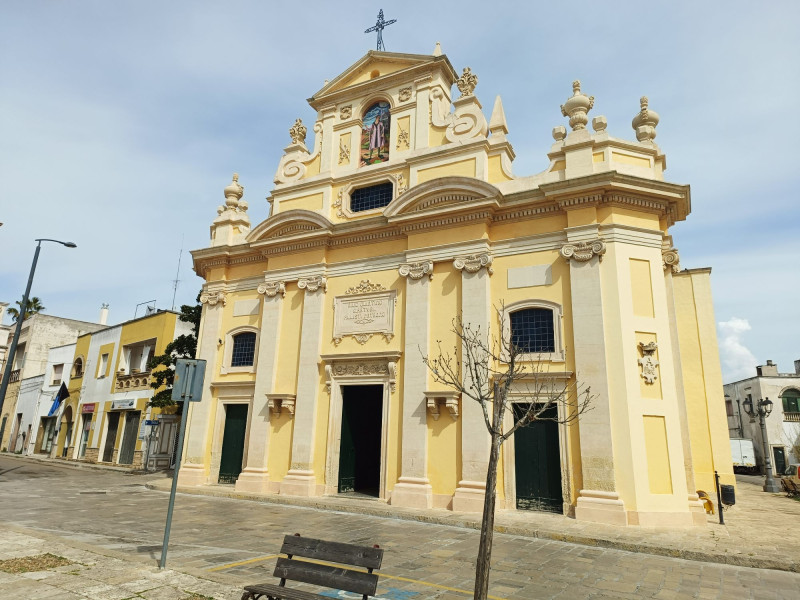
<point>577,107</point>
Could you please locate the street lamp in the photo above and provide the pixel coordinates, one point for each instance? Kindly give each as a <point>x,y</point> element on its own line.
<point>13,349</point>
<point>763,410</point>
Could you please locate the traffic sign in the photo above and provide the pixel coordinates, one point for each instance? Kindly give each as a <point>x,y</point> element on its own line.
<point>152,423</point>
<point>189,376</point>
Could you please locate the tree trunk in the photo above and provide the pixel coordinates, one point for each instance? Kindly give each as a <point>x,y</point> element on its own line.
<point>484,561</point>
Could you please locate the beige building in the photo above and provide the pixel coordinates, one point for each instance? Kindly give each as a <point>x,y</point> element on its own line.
<point>39,333</point>
<point>405,212</point>
<point>782,425</point>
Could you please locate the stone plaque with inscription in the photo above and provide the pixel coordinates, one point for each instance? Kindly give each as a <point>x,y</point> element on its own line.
<point>364,314</point>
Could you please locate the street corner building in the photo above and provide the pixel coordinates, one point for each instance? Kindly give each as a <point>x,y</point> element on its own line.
<point>403,214</point>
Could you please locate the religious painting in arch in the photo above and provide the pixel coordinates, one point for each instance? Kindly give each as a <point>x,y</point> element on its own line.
<point>375,135</point>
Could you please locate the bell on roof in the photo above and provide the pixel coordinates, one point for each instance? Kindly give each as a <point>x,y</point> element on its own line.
<point>644,123</point>
<point>577,107</point>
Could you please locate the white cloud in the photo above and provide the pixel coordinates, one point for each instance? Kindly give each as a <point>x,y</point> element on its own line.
<point>737,360</point>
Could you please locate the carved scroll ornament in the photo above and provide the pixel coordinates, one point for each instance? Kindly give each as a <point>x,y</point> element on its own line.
<point>314,283</point>
<point>474,263</point>
<point>416,270</point>
<point>671,260</point>
<point>584,251</point>
<point>213,298</point>
<point>272,288</point>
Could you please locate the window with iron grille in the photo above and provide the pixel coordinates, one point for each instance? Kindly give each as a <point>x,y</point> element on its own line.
<point>244,349</point>
<point>374,196</point>
<point>532,330</point>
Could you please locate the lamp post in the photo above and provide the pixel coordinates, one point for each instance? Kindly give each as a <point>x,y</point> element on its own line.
<point>13,348</point>
<point>763,410</point>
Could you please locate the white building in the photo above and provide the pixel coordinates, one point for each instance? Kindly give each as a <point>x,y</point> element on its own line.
<point>57,371</point>
<point>783,425</point>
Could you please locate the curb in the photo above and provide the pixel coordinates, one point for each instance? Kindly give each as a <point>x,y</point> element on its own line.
<point>55,462</point>
<point>381,509</point>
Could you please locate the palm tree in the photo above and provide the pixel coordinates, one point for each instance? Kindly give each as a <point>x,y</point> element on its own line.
<point>33,306</point>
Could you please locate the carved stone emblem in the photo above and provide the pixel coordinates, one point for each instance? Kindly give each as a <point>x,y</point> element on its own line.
<point>312,284</point>
<point>402,186</point>
<point>467,82</point>
<point>474,263</point>
<point>671,260</point>
<point>405,94</point>
<point>298,132</point>
<point>364,368</point>
<point>213,298</point>
<point>346,112</point>
<point>584,251</point>
<point>416,270</point>
<point>648,362</point>
<point>272,288</point>
<point>337,204</point>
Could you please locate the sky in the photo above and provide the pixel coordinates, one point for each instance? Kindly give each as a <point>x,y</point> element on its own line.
<point>121,122</point>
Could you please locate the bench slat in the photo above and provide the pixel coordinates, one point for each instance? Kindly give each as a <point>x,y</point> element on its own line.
<point>349,554</point>
<point>276,591</point>
<point>325,575</point>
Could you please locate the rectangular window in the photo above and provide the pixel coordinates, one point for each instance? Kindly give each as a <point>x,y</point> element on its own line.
<point>58,372</point>
<point>374,196</point>
<point>532,330</point>
<point>729,408</point>
<point>244,348</point>
<point>103,366</point>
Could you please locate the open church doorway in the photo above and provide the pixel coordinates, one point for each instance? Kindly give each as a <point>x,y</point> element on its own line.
<point>360,448</point>
<point>537,462</point>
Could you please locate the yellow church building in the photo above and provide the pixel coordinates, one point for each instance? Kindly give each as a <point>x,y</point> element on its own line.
<point>405,213</point>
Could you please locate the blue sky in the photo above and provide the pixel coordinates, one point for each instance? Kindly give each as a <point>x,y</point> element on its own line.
<point>121,122</point>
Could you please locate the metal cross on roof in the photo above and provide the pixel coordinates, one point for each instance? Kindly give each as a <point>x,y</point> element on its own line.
<point>379,25</point>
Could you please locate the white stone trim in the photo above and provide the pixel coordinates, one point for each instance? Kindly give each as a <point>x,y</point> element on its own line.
<point>335,383</point>
<point>559,355</point>
<point>449,399</point>
<point>227,353</point>
<point>228,396</point>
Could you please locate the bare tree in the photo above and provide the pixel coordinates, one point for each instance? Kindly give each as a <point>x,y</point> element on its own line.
<point>494,373</point>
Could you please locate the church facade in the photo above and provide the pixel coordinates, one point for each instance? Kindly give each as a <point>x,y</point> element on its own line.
<point>403,214</point>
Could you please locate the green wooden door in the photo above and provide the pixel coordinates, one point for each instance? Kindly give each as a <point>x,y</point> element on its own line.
<point>780,460</point>
<point>538,463</point>
<point>230,464</point>
<point>111,436</point>
<point>129,435</point>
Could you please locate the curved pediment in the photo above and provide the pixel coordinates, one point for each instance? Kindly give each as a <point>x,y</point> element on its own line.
<point>289,224</point>
<point>444,192</point>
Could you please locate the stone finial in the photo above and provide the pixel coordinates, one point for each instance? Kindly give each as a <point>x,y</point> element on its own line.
<point>233,192</point>
<point>437,51</point>
<point>577,106</point>
<point>497,122</point>
<point>559,133</point>
<point>467,82</point>
<point>599,124</point>
<point>644,123</point>
<point>298,132</point>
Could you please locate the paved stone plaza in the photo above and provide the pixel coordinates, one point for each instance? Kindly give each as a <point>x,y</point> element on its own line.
<point>112,516</point>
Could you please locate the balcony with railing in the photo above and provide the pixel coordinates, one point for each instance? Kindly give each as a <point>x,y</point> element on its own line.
<point>14,376</point>
<point>135,380</point>
<point>792,417</point>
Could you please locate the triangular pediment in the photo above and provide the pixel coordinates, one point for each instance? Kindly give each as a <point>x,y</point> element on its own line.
<point>374,65</point>
<point>289,224</point>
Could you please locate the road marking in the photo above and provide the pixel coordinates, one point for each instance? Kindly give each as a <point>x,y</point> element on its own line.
<point>380,575</point>
<point>243,562</point>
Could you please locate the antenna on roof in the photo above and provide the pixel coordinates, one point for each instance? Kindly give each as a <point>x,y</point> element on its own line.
<point>176,281</point>
<point>379,25</point>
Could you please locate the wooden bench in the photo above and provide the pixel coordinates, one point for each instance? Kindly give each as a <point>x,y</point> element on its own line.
<point>332,577</point>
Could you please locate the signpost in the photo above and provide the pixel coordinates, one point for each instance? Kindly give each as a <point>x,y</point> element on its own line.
<point>188,387</point>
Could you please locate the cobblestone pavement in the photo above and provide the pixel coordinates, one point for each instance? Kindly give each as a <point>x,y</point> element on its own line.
<point>234,542</point>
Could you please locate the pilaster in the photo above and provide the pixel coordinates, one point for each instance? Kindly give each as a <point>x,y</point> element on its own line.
<point>254,477</point>
<point>598,499</point>
<point>301,479</point>
<point>475,441</point>
<point>194,466</point>
<point>413,488</point>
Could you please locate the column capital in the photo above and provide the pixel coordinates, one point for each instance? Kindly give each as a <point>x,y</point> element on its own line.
<point>584,251</point>
<point>272,288</point>
<point>670,260</point>
<point>473,263</point>
<point>416,270</point>
<point>313,283</point>
<point>213,298</point>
